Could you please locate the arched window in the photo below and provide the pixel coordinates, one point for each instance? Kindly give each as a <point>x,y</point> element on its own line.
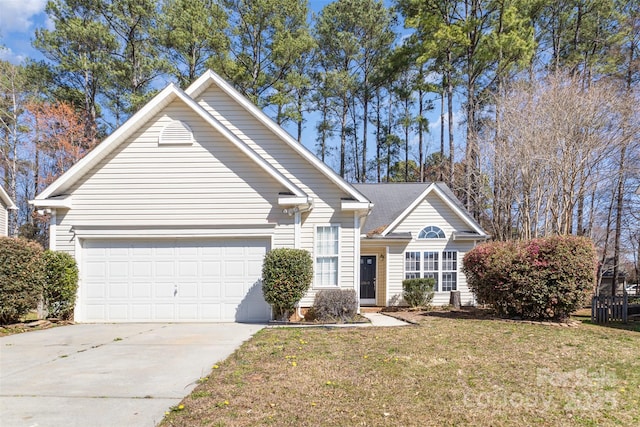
<point>431,232</point>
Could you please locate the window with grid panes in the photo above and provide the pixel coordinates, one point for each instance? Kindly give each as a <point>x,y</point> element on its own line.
<point>327,256</point>
<point>441,266</point>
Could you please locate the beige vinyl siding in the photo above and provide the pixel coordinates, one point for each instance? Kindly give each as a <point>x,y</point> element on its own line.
<point>432,211</point>
<point>4,219</point>
<point>65,240</point>
<point>207,183</point>
<point>299,171</point>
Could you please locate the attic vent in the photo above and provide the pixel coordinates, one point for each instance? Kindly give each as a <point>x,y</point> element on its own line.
<point>176,132</point>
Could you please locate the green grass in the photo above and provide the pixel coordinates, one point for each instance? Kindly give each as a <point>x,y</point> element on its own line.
<point>443,372</point>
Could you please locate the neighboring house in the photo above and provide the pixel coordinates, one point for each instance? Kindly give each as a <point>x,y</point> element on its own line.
<point>604,287</point>
<point>169,218</point>
<point>415,230</point>
<point>6,204</point>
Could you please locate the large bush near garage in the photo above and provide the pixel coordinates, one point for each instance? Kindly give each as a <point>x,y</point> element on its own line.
<point>21,278</point>
<point>286,277</point>
<point>61,284</point>
<point>545,278</point>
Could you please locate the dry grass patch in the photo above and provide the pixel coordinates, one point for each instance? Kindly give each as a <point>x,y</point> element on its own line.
<point>444,372</point>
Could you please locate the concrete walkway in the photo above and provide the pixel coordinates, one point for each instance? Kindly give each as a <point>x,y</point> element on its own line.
<point>108,375</point>
<point>378,319</point>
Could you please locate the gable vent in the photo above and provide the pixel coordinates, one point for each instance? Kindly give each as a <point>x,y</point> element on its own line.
<point>176,132</point>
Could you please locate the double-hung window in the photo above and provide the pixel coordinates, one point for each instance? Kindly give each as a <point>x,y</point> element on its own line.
<point>449,271</point>
<point>441,266</point>
<point>327,256</point>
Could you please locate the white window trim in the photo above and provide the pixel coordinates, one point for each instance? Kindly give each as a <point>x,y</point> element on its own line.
<point>315,249</point>
<point>441,270</point>
<point>444,235</point>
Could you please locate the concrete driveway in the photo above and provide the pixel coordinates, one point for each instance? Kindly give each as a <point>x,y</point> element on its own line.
<point>108,375</point>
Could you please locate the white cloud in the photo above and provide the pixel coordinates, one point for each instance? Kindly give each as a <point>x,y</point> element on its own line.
<point>17,15</point>
<point>8,55</point>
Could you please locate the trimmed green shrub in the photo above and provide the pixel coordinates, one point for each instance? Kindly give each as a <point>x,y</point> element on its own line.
<point>335,305</point>
<point>418,292</point>
<point>21,278</point>
<point>545,278</point>
<point>286,277</point>
<point>61,284</point>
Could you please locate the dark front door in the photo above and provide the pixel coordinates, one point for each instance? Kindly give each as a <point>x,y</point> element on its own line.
<point>368,279</point>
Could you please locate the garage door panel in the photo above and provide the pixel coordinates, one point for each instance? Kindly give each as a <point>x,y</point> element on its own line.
<point>233,289</point>
<point>188,269</point>
<point>118,269</point>
<point>164,289</point>
<point>118,312</point>
<point>172,280</point>
<point>142,290</point>
<point>164,312</point>
<point>210,312</point>
<point>118,290</point>
<point>211,268</point>
<point>188,290</point>
<point>164,269</point>
<point>142,269</point>
<point>211,289</point>
<point>141,312</point>
<point>95,291</point>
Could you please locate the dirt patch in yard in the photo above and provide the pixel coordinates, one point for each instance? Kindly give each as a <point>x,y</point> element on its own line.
<point>18,328</point>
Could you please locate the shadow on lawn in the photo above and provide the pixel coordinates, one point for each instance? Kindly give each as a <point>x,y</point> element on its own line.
<point>462,313</point>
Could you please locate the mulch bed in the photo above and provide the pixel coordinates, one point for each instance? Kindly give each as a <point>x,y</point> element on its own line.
<point>472,313</point>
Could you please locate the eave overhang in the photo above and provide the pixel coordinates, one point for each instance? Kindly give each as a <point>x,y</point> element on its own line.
<point>354,205</point>
<point>61,202</point>
<point>469,235</point>
<point>396,237</point>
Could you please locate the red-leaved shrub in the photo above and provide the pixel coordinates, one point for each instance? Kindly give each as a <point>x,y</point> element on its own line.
<point>546,278</point>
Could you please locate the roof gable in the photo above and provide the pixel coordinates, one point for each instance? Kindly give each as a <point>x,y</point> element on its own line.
<point>160,101</point>
<point>6,200</point>
<point>394,202</point>
<point>211,78</point>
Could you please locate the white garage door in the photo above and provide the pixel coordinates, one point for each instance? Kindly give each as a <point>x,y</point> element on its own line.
<point>172,280</point>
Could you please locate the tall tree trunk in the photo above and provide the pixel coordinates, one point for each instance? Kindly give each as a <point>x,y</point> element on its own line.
<point>365,122</point>
<point>451,177</point>
<point>343,136</point>
<point>378,137</point>
<point>619,205</point>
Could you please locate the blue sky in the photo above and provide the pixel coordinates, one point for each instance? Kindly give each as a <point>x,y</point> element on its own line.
<point>18,22</point>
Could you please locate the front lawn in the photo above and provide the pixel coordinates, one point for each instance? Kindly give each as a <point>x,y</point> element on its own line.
<point>443,372</point>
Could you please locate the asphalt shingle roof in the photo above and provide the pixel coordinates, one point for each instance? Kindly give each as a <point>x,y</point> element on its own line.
<point>390,200</point>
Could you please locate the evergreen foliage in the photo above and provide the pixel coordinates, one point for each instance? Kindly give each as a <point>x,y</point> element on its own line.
<point>286,277</point>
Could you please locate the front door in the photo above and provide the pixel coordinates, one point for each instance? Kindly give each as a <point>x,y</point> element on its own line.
<point>368,280</point>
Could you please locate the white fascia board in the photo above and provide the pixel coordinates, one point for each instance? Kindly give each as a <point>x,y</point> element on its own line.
<point>209,76</point>
<point>112,141</point>
<point>290,200</point>
<point>433,187</point>
<point>477,237</point>
<point>352,205</point>
<point>65,203</point>
<point>7,200</point>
